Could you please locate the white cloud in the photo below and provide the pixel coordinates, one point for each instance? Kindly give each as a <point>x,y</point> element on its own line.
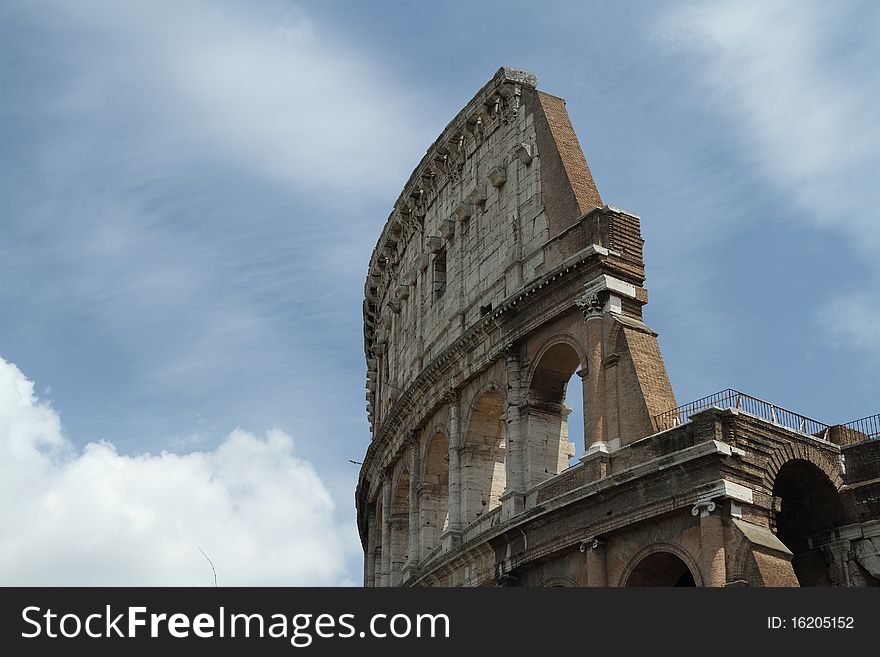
<point>255,85</point>
<point>796,80</point>
<point>95,517</point>
<point>792,76</point>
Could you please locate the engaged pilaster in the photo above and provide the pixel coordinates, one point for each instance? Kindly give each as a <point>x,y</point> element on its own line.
<point>370,552</point>
<point>454,467</point>
<point>414,514</point>
<point>597,562</point>
<point>711,543</point>
<point>512,502</point>
<point>386,527</point>
<point>594,390</point>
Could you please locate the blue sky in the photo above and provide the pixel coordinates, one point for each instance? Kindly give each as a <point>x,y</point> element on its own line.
<point>190,192</point>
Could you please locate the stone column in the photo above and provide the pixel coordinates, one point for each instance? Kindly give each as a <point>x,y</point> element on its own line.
<point>415,550</point>
<point>595,436</point>
<point>612,406</point>
<point>585,396</point>
<point>454,466</point>
<point>399,525</point>
<point>597,568</point>
<point>386,528</point>
<point>377,560</point>
<point>512,502</point>
<point>837,555</point>
<point>594,391</point>
<point>370,552</point>
<point>711,544</point>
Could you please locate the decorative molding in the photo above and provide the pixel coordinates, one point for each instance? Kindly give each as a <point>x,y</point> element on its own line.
<point>497,176</point>
<point>591,544</point>
<point>591,305</point>
<point>703,508</point>
<point>524,153</point>
<point>447,228</point>
<point>434,244</point>
<point>478,195</point>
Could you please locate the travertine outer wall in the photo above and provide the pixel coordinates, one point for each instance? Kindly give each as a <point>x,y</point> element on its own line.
<point>499,275</point>
<point>469,228</point>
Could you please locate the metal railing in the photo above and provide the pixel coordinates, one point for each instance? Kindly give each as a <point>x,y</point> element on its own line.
<point>867,426</point>
<point>739,400</point>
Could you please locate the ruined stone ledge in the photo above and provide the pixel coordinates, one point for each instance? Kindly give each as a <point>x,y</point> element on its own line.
<point>705,484</point>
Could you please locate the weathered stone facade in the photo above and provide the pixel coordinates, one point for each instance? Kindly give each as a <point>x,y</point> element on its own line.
<point>499,274</point>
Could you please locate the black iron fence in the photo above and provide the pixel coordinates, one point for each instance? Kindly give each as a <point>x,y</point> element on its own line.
<point>741,401</point>
<point>867,426</point>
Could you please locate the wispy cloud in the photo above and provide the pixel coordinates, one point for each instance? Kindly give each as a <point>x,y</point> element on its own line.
<point>259,511</point>
<point>258,85</point>
<point>854,320</point>
<point>190,180</point>
<point>799,84</point>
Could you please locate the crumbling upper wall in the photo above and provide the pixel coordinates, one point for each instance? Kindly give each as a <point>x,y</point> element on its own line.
<point>505,176</point>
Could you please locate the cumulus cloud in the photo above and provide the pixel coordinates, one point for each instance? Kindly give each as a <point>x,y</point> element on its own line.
<point>97,517</point>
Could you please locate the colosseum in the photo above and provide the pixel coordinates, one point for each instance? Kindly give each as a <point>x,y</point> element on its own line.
<point>500,280</point>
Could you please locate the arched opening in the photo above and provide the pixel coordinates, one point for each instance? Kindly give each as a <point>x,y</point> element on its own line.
<point>549,450</point>
<point>574,399</point>
<point>483,459</point>
<point>661,569</point>
<point>807,504</point>
<point>399,528</point>
<point>434,500</point>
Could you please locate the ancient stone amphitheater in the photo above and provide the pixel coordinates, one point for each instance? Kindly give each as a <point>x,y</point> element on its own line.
<point>499,275</point>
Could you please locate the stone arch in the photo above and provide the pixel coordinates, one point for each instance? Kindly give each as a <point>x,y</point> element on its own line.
<point>492,385</point>
<point>399,526</point>
<point>791,451</point>
<point>431,432</point>
<point>661,570</point>
<point>805,505</point>
<point>434,491</point>
<point>561,338</point>
<point>559,582</point>
<point>483,455</point>
<point>548,449</point>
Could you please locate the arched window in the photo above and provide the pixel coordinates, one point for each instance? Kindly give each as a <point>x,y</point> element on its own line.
<point>549,449</point>
<point>483,459</point>
<point>434,500</point>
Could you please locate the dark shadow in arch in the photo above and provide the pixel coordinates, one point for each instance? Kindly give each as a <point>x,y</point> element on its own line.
<point>808,505</point>
<point>549,448</point>
<point>661,569</point>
